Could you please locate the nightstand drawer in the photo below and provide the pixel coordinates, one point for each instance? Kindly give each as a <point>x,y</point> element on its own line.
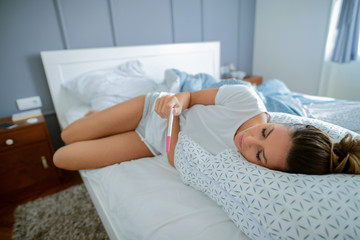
<point>26,166</point>
<point>21,168</point>
<point>21,137</point>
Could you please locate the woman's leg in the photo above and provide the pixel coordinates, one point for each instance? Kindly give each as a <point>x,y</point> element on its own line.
<point>103,138</point>
<point>120,118</point>
<point>101,152</point>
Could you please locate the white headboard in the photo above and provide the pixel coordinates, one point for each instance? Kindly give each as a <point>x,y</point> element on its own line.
<point>63,65</point>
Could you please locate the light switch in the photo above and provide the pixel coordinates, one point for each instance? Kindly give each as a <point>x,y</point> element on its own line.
<point>28,103</point>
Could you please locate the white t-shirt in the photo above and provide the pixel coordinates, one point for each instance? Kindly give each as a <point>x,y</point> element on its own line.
<point>214,126</point>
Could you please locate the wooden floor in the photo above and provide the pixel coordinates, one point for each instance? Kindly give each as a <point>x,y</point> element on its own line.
<point>68,179</point>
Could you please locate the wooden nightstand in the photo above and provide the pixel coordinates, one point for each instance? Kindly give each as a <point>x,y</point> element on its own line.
<point>257,80</point>
<point>26,164</point>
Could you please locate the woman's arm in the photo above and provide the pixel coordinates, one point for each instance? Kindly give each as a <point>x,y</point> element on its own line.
<point>180,102</point>
<point>184,100</point>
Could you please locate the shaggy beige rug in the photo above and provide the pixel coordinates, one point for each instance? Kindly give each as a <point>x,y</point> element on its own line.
<point>68,214</point>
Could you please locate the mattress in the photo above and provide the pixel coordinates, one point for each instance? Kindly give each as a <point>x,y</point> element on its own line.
<point>146,199</point>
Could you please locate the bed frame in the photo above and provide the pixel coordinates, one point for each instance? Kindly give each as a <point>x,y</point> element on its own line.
<point>64,65</point>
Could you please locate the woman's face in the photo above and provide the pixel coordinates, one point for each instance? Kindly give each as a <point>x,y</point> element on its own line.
<point>266,145</point>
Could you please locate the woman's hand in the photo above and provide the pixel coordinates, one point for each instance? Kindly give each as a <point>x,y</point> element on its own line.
<point>184,100</point>
<point>164,105</point>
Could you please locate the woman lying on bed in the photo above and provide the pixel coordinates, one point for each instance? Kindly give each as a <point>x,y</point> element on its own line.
<point>232,116</point>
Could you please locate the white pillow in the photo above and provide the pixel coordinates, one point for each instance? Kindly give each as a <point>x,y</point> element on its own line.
<point>268,204</point>
<point>106,87</point>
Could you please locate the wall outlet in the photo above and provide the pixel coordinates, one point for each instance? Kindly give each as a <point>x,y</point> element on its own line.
<point>28,103</point>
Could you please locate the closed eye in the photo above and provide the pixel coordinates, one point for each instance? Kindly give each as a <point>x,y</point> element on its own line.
<point>258,156</point>
<point>269,132</point>
<point>264,135</point>
<point>263,131</point>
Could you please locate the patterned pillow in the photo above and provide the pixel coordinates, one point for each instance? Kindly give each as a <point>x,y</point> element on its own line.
<point>268,204</point>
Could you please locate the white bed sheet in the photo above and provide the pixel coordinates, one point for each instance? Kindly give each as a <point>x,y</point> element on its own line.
<point>163,208</point>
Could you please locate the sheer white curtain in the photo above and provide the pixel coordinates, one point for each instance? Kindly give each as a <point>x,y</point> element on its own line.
<point>347,40</point>
<point>341,70</point>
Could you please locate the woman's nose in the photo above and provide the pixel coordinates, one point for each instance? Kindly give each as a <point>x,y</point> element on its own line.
<point>251,141</point>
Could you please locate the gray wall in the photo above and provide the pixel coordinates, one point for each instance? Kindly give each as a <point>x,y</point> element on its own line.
<point>28,27</point>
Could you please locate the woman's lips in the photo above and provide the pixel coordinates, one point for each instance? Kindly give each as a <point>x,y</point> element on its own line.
<point>241,140</point>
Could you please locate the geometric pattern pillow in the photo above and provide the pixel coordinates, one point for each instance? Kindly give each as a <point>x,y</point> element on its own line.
<point>269,204</point>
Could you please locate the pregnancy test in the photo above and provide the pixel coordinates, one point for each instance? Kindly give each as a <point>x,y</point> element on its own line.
<point>168,138</point>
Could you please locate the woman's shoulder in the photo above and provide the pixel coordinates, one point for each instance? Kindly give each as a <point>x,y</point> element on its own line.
<point>237,92</point>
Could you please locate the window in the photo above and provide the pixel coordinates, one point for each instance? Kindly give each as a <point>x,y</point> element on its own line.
<point>359,46</point>
<point>330,43</point>
<point>332,34</point>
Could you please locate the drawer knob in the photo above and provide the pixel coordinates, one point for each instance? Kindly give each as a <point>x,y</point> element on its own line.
<point>9,141</point>
<point>44,162</point>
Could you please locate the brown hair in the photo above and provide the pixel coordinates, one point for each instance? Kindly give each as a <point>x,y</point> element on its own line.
<point>312,152</point>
